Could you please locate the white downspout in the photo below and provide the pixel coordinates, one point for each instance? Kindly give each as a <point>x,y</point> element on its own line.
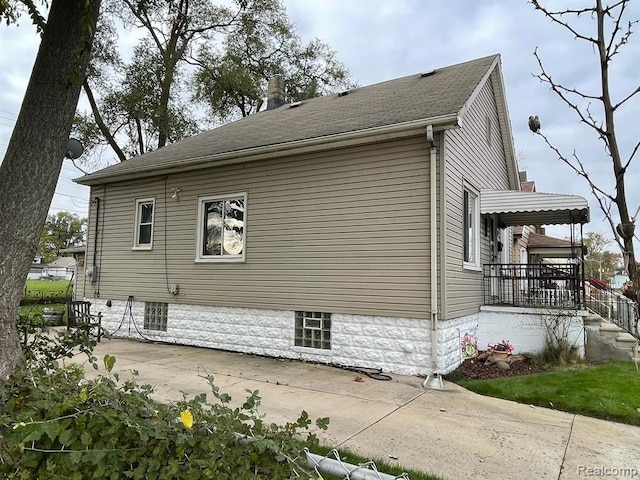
<point>433,380</point>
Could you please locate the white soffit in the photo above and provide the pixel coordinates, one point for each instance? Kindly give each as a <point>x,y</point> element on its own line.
<point>534,208</point>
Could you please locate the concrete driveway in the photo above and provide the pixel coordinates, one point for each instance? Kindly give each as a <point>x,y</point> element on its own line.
<point>452,433</point>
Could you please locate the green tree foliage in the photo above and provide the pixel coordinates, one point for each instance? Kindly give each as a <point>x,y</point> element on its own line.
<point>599,261</point>
<point>57,424</point>
<point>194,51</point>
<point>62,230</point>
<point>232,80</point>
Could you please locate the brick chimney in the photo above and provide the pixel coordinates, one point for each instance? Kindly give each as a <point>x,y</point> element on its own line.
<point>275,97</point>
<point>523,176</point>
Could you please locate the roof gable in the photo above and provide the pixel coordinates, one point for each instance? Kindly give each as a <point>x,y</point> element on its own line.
<point>441,94</point>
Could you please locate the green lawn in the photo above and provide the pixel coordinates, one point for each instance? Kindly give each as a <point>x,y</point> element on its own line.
<point>610,391</point>
<point>46,291</point>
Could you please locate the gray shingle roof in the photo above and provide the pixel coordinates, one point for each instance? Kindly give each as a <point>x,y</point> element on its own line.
<point>393,102</point>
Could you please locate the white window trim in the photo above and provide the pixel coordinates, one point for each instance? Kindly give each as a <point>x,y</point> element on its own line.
<point>200,231</point>
<point>474,265</point>
<point>136,230</point>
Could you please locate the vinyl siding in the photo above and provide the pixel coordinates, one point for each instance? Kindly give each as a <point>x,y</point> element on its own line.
<point>470,158</point>
<point>344,232</point>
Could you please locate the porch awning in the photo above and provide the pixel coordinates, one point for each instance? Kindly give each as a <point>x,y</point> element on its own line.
<point>534,208</point>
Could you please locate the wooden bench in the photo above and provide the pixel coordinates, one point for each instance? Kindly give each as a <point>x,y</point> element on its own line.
<point>79,313</point>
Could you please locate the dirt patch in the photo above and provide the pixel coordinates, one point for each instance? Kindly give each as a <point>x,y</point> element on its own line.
<point>483,368</point>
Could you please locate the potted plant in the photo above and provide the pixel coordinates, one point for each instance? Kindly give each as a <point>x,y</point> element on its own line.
<point>501,349</point>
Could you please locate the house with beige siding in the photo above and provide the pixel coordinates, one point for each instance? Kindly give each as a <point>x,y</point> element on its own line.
<point>349,229</point>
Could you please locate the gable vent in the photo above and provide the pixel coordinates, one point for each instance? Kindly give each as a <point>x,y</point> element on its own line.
<point>427,74</point>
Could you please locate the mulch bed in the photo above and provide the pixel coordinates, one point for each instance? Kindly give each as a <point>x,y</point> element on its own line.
<point>479,369</point>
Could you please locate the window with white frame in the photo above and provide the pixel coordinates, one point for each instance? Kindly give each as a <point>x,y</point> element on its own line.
<point>143,237</point>
<point>221,228</point>
<point>313,330</point>
<point>470,225</point>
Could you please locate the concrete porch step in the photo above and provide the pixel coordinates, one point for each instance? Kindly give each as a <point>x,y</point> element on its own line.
<point>605,341</point>
<point>625,340</point>
<point>610,330</point>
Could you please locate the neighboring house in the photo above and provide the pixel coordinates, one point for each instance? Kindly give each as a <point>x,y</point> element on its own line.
<point>78,253</point>
<point>521,232</point>
<point>543,247</point>
<point>35,272</point>
<point>62,268</point>
<point>349,229</point>
<point>618,279</point>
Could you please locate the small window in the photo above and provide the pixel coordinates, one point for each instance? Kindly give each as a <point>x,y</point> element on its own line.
<point>471,236</point>
<point>221,230</point>
<point>144,224</point>
<point>155,316</point>
<point>313,330</point>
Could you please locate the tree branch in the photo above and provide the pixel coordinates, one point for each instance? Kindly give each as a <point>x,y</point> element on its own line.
<point>614,46</point>
<point>633,153</point>
<point>560,91</point>
<point>552,16</point>
<point>580,171</point>
<point>100,122</point>
<point>146,23</point>
<point>628,97</point>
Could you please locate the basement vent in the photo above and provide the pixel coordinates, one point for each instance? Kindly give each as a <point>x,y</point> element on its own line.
<point>427,74</point>
<point>313,330</point>
<point>295,104</point>
<point>155,316</point>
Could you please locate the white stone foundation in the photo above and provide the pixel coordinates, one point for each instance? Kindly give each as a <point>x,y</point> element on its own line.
<point>396,345</point>
<point>525,327</point>
<point>449,348</point>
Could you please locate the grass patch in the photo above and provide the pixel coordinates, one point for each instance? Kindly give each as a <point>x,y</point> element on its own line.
<point>46,291</point>
<point>383,466</point>
<point>610,391</point>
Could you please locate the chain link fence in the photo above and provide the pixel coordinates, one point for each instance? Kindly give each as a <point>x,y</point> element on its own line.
<point>316,466</point>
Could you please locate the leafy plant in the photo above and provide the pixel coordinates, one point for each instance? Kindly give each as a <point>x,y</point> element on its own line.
<point>501,346</point>
<point>57,424</point>
<point>43,347</point>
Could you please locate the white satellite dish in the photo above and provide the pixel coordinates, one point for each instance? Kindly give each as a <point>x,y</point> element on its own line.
<point>74,149</point>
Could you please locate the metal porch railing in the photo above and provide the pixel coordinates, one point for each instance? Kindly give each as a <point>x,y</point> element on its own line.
<point>613,306</point>
<point>532,285</point>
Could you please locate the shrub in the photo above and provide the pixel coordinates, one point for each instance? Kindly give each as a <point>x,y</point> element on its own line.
<point>56,424</point>
<point>558,348</point>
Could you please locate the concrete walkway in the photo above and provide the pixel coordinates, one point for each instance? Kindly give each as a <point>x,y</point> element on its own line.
<point>452,433</point>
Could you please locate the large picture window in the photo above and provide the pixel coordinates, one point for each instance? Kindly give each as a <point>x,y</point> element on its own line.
<point>471,236</point>
<point>221,231</point>
<point>143,237</point>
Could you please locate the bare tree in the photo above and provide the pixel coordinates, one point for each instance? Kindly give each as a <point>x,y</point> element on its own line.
<point>598,110</point>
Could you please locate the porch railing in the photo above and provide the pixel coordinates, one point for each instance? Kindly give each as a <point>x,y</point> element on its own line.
<point>614,307</point>
<point>532,285</point>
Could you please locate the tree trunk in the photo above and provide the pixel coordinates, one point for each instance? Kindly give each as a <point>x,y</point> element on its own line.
<point>34,156</point>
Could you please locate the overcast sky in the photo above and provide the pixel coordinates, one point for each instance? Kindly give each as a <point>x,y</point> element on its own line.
<point>379,40</point>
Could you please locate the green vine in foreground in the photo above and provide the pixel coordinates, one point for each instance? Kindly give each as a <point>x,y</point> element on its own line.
<point>56,424</point>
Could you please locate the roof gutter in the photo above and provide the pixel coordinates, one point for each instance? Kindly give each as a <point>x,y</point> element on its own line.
<point>387,132</point>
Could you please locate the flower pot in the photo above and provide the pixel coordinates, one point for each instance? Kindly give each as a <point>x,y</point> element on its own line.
<point>500,355</point>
